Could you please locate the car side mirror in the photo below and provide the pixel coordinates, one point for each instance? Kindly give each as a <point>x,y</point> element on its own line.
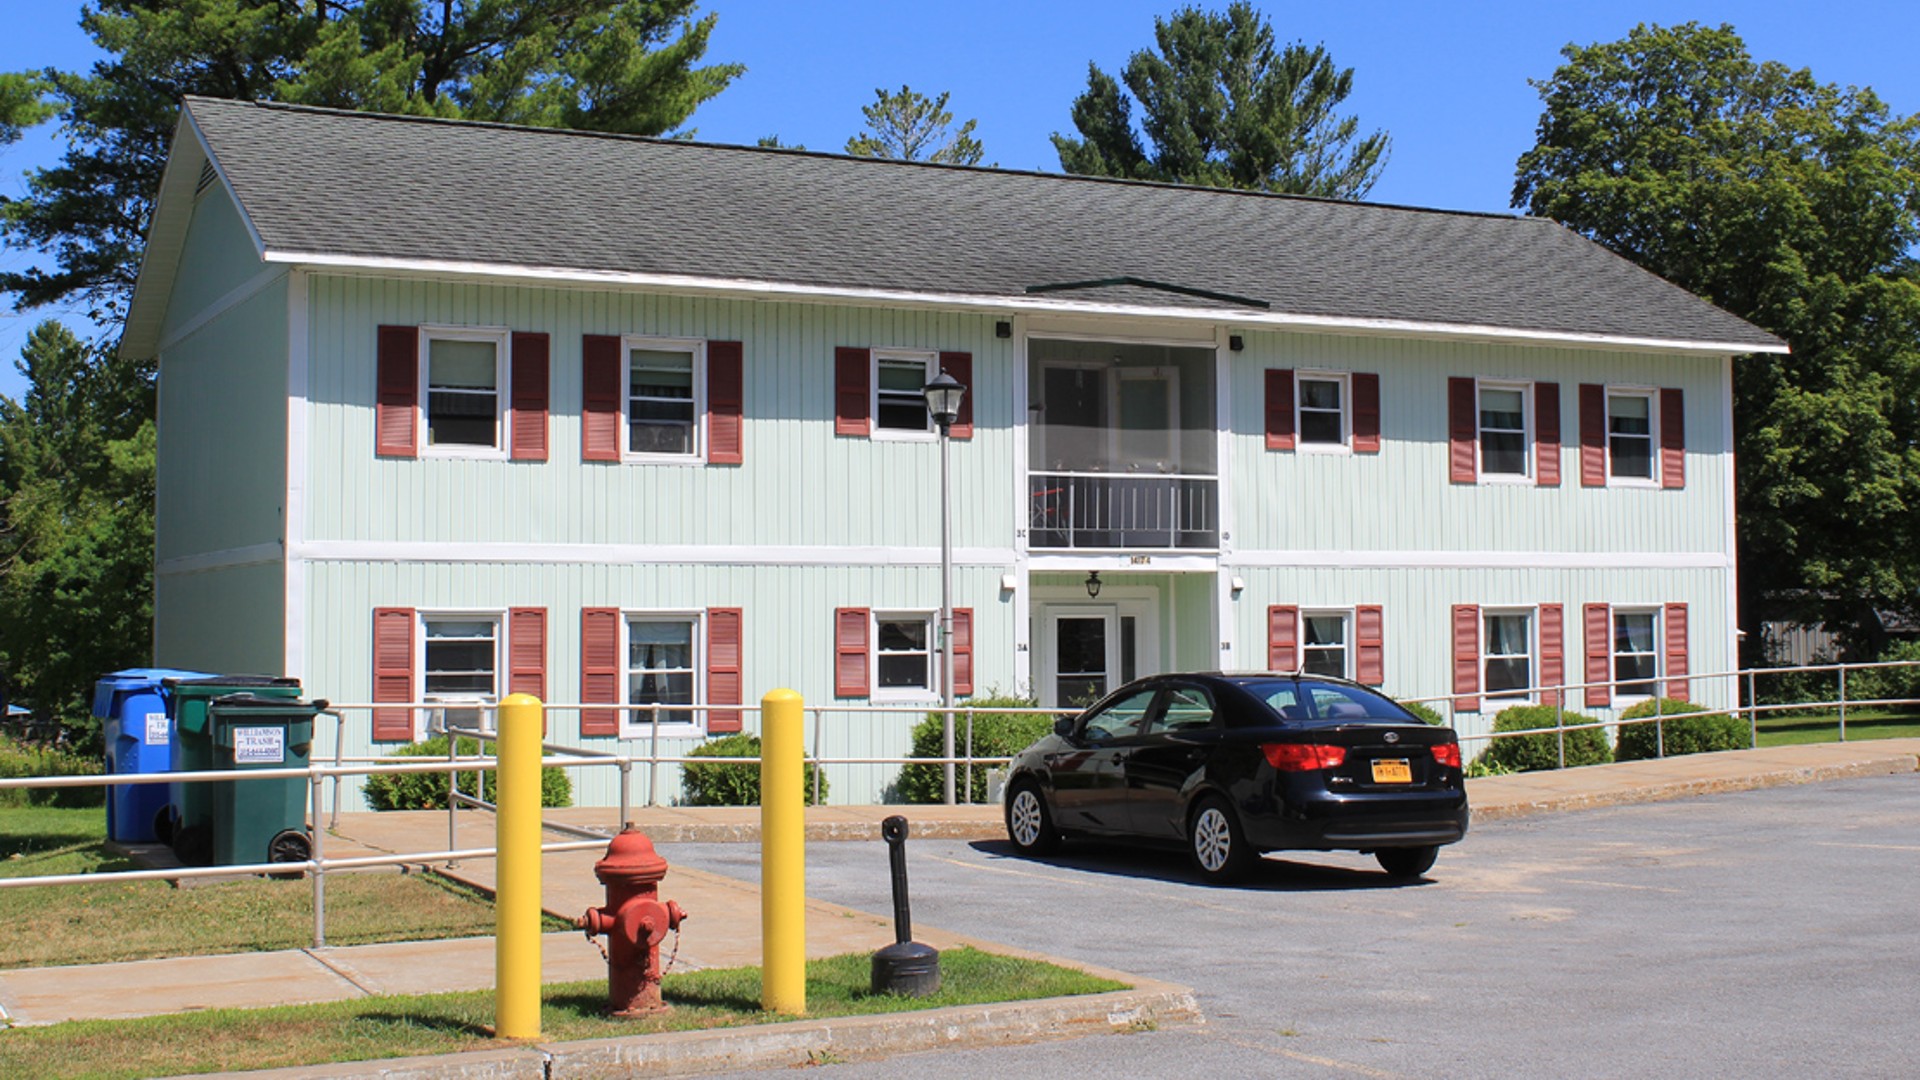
<point>1063,727</point>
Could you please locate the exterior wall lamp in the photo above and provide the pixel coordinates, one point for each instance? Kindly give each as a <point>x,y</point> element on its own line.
<point>1093,584</point>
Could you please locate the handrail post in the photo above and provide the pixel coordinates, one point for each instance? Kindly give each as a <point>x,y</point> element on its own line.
<point>1843,703</point>
<point>1659,727</point>
<point>1753,709</point>
<point>315,850</point>
<point>626,791</point>
<point>819,770</point>
<point>453,789</point>
<point>1560,729</point>
<point>339,759</point>
<point>969,785</point>
<point>653,759</point>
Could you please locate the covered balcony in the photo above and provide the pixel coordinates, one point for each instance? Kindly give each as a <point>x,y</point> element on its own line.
<point>1122,447</point>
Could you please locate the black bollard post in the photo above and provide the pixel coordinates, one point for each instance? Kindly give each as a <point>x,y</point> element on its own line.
<point>906,966</point>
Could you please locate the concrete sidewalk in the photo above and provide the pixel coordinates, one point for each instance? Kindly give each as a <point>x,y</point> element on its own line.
<point>724,923</point>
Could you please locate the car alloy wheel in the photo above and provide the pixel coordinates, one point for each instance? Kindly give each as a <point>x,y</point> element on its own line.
<point>1219,850</point>
<point>1029,825</point>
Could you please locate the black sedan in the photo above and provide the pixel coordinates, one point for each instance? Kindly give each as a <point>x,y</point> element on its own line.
<point>1231,766</point>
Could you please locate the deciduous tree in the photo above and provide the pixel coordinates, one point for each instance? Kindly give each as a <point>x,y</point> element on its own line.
<point>1221,106</point>
<point>1795,204</point>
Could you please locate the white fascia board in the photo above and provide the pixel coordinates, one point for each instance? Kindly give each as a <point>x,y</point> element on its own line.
<point>422,551</point>
<point>1480,560</point>
<point>1020,304</point>
<point>167,235</point>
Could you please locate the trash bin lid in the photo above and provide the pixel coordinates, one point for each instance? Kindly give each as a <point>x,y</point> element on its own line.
<point>133,681</point>
<point>234,680</point>
<point>255,705</point>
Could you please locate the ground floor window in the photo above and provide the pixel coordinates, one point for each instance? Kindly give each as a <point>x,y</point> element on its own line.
<point>902,653</point>
<point>460,663</point>
<point>1636,657</point>
<point>1506,650</point>
<point>663,666</point>
<point>1324,640</point>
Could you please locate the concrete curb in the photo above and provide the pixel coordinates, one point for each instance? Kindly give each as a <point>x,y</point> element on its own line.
<point>1665,791</point>
<point>1150,1005</point>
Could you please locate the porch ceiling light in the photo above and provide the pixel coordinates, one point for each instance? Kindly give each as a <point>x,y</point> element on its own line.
<point>1093,584</point>
<point>943,396</point>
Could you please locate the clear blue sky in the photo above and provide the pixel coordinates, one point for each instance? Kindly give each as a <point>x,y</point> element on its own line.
<point>1449,82</point>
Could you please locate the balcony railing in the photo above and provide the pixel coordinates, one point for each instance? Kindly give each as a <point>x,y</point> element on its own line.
<point>1118,510</point>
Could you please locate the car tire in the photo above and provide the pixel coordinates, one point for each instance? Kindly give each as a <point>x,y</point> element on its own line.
<point>1217,844</point>
<point>1407,862</point>
<point>1029,822</point>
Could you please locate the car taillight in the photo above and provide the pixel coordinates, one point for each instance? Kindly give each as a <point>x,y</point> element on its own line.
<point>1299,757</point>
<point>1447,754</point>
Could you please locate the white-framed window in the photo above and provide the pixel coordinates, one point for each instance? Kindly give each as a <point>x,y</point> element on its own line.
<point>1504,432</point>
<point>1636,651</point>
<point>1323,419</point>
<point>1326,643</point>
<point>465,374</point>
<point>664,398</point>
<point>1506,652</point>
<point>904,657</point>
<point>1631,416</point>
<point>899,404</point>
<point>663,667</point>
<point>459,663</point>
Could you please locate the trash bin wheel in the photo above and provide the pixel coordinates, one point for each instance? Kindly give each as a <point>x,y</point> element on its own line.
<point>163,825</point>
<point>193,844</point>
<point>289,845</point>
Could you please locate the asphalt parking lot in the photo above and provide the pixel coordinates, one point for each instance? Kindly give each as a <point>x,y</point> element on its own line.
<point>1765,933</point>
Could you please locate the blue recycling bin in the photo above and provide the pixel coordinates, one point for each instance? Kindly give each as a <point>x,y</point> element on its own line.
<point>133,707</point>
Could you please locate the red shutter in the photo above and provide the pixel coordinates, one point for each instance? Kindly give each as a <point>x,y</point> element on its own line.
<point>1546,434</point>
<point>393,672</point>
<point>1676,620</point>
<point>600,404</point>
<point>1599,655</point>
<point>527,651</point>
<point>962,650</point>
<point>852,368</point>
<point>1280,409</point>
<point>529,398</point>
<point>397,398</point>
<point>1283,637</point>
<point>1553,651</point>
<point>850,651</point>
<point>1366,412</point>
<point>599,669</point>
<point>1370,635</point>
<point>1463,430</point>
<point>726,403</point>
<point>1466,657</point>
<point>1593,435</point>
<point>1673,439</point>
<point>724,684</point>
<point>960,366</point>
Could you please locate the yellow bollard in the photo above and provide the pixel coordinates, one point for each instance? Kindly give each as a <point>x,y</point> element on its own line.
<point>783,855</point>
<point>516,993</point>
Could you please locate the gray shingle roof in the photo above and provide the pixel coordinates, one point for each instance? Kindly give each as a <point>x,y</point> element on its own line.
<point>360,186</point>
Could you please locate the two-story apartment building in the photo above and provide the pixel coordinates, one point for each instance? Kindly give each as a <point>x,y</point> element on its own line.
<point>453,410</point>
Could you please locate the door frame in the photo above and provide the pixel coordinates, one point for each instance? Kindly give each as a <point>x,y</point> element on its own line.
<point>1142,602</point>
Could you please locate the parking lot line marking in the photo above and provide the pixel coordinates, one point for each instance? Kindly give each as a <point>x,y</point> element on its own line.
<point>1314,1059</point>
<point>1876,847</point>
<point>1621,885</point>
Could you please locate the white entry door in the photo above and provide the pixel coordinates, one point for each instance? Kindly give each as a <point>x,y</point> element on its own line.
<point>1083,650</point>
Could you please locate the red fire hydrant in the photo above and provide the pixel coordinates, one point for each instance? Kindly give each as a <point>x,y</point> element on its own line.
<point>635,922</point>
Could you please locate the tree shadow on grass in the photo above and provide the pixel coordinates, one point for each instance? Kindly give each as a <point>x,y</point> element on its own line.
<point>1270,874</point>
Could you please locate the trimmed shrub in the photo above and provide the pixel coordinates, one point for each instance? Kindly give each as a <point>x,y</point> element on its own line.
<point>1425,712</point>
<point>428,791</point>
<point>1682,731</point>
<point>995,734</point>
<point>733,783</point>
<point>1887,684</point>
<point>1530,753</point>
<point>22,759</point>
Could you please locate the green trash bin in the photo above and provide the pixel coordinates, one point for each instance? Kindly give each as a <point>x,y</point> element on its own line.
<point>260,821</point>
<point>190,805</point>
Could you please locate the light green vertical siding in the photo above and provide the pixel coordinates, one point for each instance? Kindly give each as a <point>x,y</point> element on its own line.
<point>227,621</point>
<point>217,257</point>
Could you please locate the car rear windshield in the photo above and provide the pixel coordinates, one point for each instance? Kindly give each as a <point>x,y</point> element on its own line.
<point>1305,702</point>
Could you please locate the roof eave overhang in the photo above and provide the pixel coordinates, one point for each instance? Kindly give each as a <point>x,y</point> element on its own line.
<point>1016,304</point>
<point>187,155</point>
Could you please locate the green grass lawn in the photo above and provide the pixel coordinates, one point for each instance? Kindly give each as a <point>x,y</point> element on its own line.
<point>61,924</point>
<point>386,1027</point>
<point>1799,728</point>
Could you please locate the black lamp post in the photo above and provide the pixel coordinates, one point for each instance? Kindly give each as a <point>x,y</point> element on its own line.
<point>943,396</point>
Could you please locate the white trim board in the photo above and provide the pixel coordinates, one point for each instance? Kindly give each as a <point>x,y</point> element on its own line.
<point>433,551</point>
<point>1008,305</point>
<point>1481,560</point>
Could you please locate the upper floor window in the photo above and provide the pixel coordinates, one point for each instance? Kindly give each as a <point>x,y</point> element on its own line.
<point>1503,430</point>
<point>1506,653</point>
<point>1324,644</point>
<point>1630,417</point>
<point>464,372</point>
<point>664,401</point>
<point>898,402</point>
<point>1323,410</point>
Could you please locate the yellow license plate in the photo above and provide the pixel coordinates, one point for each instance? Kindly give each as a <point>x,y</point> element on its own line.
<point>1392,771</point>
